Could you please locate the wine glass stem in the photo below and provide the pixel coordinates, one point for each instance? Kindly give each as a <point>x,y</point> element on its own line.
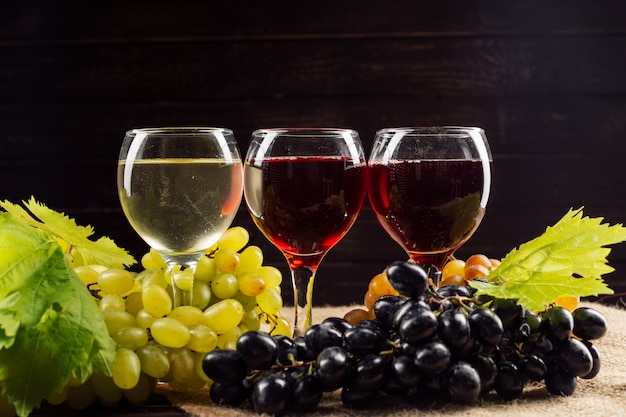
<point>302,278</point>
<point>174,263</point>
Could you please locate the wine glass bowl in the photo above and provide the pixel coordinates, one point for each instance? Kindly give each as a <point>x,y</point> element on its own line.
<point>429,186</point>
<point>304,188</point>
<point>180,188</point>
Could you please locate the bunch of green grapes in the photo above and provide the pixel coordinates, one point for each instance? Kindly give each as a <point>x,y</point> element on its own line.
<point>165,321</point>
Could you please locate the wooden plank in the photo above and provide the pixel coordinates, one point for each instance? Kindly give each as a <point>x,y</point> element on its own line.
<point>431,67</point>
<point>47,22</point>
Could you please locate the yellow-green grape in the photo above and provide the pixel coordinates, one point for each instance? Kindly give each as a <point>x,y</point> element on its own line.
<point>235,238</point>
<point>271,275</point>
<point>144,319</point>
<point>154,361</point>
<point>201,295</point>
<point>126,369</point>
<point>187,315</point>
<point>142,392</point>
<point>248,302</point>
<point>251,320</point>
<point>81,397</point>
<point>170,332</point>
<point>116,319</point>
<point>199,359</point>
<point>6,408</point>
<point>152,260</point>
<point>116,281</point>
<point>156,300</point>
<point>228,340</point>
<point>250,259</point>
<point>55,398</point>
<point>112,302</point>
<point>223,315</point>
<point>131,337</point>
<point>251,284</point>
<point>225,286</point>
<point>182,367</point>
<point>108,393</point>
<point>270,301</point>
<point>183,279</point>
<point>87,274</point>
<point>206,269</point>
<point>203,338</point>
<point>281,327</point>
<point>74,257</point>
<point>133,303</point>
<point>226,260</point>
<point>152,277</point>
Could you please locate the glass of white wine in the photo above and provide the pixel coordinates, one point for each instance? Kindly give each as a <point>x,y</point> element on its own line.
<point>180,189</point>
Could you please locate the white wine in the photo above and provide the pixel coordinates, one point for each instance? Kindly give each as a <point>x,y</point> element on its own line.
<point>180,205</point>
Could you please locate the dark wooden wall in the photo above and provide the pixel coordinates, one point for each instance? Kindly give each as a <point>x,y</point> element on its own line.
<point>546,80</point>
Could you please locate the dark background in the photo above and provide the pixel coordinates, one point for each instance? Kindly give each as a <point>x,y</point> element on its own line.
<point>546,80</point>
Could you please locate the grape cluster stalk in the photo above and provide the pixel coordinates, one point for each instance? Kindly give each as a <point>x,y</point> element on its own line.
<point>420,344</point>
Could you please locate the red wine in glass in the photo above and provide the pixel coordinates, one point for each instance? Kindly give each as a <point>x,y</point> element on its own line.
<point>304,189</point>
<point>429,188</point>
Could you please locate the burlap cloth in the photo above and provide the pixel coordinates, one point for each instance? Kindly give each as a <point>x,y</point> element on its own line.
<point>603,396</point>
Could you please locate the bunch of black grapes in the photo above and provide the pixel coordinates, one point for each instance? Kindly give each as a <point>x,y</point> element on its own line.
<point>428,343</point>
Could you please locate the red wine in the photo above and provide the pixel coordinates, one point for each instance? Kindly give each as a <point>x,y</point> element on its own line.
<point>428,206</point>
<point>304,205</point>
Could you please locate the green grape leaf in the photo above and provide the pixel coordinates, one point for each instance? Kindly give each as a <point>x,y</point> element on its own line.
<point>103,251</point>
<point>569,258</point>
<point>50,326</point>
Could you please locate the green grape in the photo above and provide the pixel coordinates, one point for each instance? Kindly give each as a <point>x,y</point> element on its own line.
<point>182,366</point>
<point>226,260</point>
<point>225,286</point>
<point>271,275</point>
<point>134,303</point>
<point>152,260</point>
<point>183,279</point>
<point>55,398</point>
<point>126,369</point>
<point>250,259</point>
<point>108,393</point>
<point>203,338</point>
<point>144,319</point>
<point>248,302</point>
<point>116,281</point>
<point>170,332</point>
<point>142,392</point>
<point>112,302</point>
<point>152,277</point>
<point>87,274</point>
<point>206,269</point>
<point>199,359</point>
<point>81,397</point>
<point>228,340</point>
<point>187,315</point>
<point>154,361</point>
<point>131,337</point>
<point>270,301</point>
<point>251,320</point>
<point>281,327</point>
<point>251,284</point>
<point>116,319</point>
<point>201,295</point>
<point>223,315</point>
<point>235,239</point>
<point>156,300</point>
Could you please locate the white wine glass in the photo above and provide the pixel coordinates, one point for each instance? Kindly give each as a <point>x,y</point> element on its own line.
<point>304,188</point>
<point>180,189</point>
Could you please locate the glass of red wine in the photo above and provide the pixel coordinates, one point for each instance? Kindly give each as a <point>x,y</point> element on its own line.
<point>304,188</point>
<point>429,186</point>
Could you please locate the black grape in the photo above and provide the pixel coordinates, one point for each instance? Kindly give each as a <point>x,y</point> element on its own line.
<point>228,394</point>
<point>453,328</point>
<point>463,383</point>
<point>589,324</point>
<point>486,326</point>
<point>417,326</point>
<point>407,278</point>
<point>558,323</point>
<point>432,358</point>
<point>271,394</point>
<point>307,393</point>
<point>574,357</point>
<point>258,349</point>
<point>224,366</point>
<point>363,340</point>
<point>318,337</point>
<point>509,382</point>
<point>332,368</point>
